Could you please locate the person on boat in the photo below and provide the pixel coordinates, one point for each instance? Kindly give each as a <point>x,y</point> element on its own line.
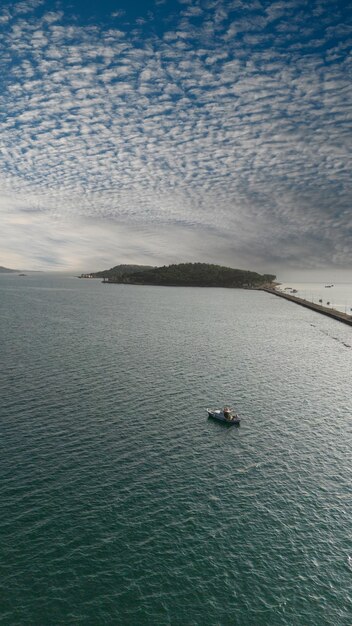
<point>229,414</point>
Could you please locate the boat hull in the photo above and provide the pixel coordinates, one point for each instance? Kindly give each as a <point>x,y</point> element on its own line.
<point>220,417</point>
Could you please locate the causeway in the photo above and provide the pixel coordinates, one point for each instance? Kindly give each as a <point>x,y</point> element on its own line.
<point>337,315</point>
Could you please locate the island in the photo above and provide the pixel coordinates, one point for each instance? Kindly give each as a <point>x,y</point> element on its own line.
<point>6,270</point>
<point>184,275</point>
<point>117,272</point>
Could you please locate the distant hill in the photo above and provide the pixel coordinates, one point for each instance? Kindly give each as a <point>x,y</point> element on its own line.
<point>6,270</point>
<point>114,274</point>
<point>185,275</point>
<point>122,270</point>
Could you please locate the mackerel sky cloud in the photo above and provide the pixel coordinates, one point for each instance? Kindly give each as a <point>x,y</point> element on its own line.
<point>167,131</point>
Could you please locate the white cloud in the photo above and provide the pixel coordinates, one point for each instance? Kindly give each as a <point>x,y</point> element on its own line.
<point>224,142</point>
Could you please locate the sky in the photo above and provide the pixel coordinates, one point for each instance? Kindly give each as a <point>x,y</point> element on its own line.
<point>167,131</point>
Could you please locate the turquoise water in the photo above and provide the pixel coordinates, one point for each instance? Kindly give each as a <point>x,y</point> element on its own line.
<point>122,504</point>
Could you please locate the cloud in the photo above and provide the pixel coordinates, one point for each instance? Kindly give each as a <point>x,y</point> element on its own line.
<point>220,130</point>
<point>87,244</point>
<point>119,13</point>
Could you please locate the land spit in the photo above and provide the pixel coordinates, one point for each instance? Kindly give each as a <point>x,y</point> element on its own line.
<point>337,315</point>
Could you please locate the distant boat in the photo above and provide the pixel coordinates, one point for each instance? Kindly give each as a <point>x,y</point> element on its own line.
<point>327,286</point>
<point>22,274</point>
<point>227,415</point>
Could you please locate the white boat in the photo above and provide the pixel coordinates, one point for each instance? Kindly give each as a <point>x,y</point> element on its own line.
<point>226,415</point>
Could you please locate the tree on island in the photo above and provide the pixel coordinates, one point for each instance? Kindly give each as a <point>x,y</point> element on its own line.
<point>186,275</point>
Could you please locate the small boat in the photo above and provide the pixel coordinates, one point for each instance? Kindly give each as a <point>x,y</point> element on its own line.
<point>226,415</point>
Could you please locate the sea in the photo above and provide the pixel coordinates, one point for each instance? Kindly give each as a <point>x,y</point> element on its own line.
<point>123,504</point>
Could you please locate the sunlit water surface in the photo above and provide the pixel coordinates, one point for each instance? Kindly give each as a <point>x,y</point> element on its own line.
<point>122,504</point>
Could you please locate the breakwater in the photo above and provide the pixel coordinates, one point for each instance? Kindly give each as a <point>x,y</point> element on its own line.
<point>337,315</point>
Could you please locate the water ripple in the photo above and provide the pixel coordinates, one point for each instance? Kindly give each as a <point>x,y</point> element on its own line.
<point>121,503</point>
